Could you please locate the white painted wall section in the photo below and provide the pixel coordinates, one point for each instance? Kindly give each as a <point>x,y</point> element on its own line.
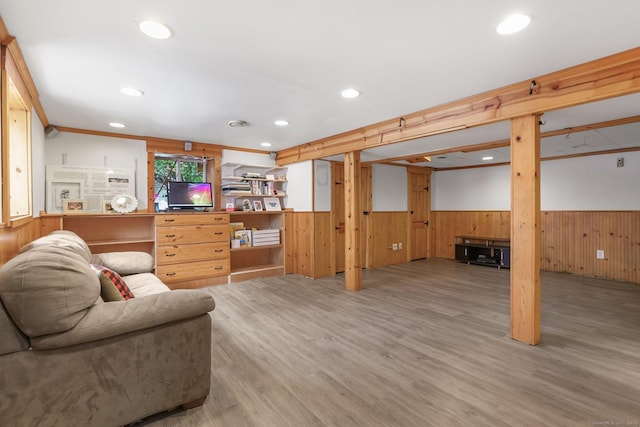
<point>37,164</point>
<point>322,186</point>
<point>300,186</point>
<point>389,188</point>
<point>91,150</point>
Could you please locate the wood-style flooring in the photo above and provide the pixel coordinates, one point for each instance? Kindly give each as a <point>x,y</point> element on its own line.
<point>423,344</point>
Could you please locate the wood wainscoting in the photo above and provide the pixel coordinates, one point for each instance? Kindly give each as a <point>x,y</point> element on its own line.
<point>12,239</point>
<point>569,242</point>
<point>312,247</point>
<point>314,244</point>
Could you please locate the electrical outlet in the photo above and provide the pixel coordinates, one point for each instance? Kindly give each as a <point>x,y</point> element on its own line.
<point>600,254</point>
<point>394,246</point>
<point>400,245</point>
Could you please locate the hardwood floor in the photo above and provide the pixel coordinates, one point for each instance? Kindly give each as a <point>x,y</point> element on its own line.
<point>423,344</point>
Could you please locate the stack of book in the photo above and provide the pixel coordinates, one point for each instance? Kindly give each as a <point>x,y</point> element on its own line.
<point>240,188</point>
<point>266,237</point>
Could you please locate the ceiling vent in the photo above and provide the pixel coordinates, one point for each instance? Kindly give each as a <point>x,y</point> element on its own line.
<point>237,123</point>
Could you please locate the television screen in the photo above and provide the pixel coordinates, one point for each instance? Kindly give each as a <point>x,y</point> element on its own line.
<point>189,195</point>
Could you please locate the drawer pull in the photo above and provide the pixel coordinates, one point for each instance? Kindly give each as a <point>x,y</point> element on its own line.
<point>169,220</point>
<point>219,268</point>
<point>170,274</point>
<point>169,235</point>
<point>219,218</point>
<point>218,233</point>
<point>219,250</point>
<point>169,254</point>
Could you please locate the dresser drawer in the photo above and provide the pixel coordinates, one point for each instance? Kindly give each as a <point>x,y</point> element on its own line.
<point>192,234</point>
<point>171,254</point>
<point>193,270</point>
<point>168,220</point>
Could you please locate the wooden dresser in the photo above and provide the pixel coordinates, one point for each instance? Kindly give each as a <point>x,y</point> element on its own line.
<point>192,250</point>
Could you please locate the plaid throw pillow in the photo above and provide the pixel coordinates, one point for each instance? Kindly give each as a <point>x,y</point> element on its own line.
<point>113,287</point>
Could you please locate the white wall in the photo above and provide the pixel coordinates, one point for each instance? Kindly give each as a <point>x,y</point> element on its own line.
<point>255,159</point>
<point>591,183</point>
<point>471,189</point>
<point>300,186</point>
<point>389,188</point>
<point>580,183</point>
<point>37,164</point>
<point>90,150</point>
<point>322,186</point>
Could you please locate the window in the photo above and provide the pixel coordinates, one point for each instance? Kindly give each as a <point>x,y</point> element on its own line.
<point>17,203</point>
<point>175,168</point>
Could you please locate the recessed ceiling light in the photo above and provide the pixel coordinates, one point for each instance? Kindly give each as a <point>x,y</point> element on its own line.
<point>237,123</point>
<point>265,144</point>
<point>513,24</point>
<point>281,123</point>
<point>116,125</point>
<point>155,29</point>
<point>350,93</point>
<point>487,158</point>
<point>131,91</point>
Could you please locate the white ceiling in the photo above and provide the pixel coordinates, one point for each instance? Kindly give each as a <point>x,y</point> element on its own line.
<point>259,61</point>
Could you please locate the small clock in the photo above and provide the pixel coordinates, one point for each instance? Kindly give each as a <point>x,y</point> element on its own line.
<point>124,203</point>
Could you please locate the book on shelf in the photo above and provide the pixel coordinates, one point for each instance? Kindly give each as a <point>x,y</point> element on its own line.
<point>234,226</point>
<point>245,238</point>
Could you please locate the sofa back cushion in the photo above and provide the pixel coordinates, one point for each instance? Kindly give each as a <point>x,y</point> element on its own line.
<point>48,289</point>
<point>64,239</point>
<point>11,339</point>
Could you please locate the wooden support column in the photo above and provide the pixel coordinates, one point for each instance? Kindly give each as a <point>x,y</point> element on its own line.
<point>353,213</point>
<point>525,229</point>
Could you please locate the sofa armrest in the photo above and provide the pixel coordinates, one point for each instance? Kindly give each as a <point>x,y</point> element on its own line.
<point>111,319</point>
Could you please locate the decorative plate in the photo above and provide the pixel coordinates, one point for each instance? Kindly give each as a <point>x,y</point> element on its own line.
<point>124,203</point>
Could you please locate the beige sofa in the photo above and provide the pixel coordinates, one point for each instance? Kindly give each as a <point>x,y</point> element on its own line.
<point>67,357</point>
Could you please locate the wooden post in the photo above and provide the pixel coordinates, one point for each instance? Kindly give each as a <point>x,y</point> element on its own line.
<point>353,270</point>
<point>525,229</point>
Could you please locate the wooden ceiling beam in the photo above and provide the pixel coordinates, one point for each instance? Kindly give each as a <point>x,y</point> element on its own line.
<point>419,158</point>
<point>604,78</point>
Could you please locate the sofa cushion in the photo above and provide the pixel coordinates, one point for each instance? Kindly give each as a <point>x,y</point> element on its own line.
<point>126,262</point>
<point>64,239</point>
<point>11,339</point>
<point>47,289</point>
<point>112,287</point>
<point>144,284</point>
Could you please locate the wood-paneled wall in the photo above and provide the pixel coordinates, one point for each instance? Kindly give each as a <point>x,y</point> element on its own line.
<point>448,224</point>
<point>569,239</point>
<point>12,239</point>
<point>386,229</point>
<point>312,253</point>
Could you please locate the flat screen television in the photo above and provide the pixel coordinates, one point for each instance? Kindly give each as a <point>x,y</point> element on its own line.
<point>189,195</point>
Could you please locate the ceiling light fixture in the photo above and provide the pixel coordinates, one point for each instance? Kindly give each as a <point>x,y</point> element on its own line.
<point>237,123</point>
<point>427,158</point>
<point>350,93</point>
<point>513,23</point>
<point>265,144</point>
<point>487,158</point>
<point>155,30</point>
<point>116,125</point>
<point>131,91</point>
<point>281,123</point>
